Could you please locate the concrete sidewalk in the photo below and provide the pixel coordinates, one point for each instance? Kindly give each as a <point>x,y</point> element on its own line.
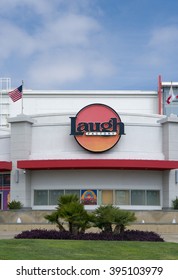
<point>170,237</point>
<point>8,234</point>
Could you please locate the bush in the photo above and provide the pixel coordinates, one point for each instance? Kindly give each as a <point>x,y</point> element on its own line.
<point>15,205</point>
<point>109,215</point>
<point>128,235</point>
<point>175,203</point>
<point>108,218</point>
<point>70,210</point>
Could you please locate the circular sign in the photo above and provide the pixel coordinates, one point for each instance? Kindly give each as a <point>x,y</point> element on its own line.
<point>97,127</point>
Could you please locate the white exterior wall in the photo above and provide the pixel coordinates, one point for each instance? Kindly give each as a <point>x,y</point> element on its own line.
<point>45,134</point>
<point>41,101</point>
<point>97,179</point>
<point>51,139</point>
<point>5,148</point>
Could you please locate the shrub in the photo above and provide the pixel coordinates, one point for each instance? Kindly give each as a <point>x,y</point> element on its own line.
<point>108,215</point>
<point>175,203</point>
<point>15,205</point>
<point>128,235</point>
<point>104,218</point>
<point>70,210</point>
<point>107,218</point>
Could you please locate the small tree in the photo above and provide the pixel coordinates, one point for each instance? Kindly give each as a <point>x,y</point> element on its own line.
<point>122,219</point>
<point>104,218</point>
<point>175,203</point>
<point>55,219</point>
<point>70,210</point>
<point>107,216</point>
<point>15,205</point>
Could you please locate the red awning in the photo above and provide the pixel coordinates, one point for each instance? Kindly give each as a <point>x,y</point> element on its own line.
<point>135,164</point>
<point>5,166</point>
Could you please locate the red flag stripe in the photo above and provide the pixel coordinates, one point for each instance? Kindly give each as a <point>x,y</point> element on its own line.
<point>16,94</point>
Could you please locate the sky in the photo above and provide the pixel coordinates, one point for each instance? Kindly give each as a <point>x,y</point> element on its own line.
<point>89,44</point>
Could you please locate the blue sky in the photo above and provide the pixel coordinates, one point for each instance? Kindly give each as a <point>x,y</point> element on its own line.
<point>89,44</point>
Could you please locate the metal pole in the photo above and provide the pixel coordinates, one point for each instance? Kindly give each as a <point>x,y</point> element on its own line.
<point>1,108</point>
<point>22,96</point>
<point>160,110</point>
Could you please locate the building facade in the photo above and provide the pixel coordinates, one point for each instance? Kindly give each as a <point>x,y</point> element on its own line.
<point>108,147</point>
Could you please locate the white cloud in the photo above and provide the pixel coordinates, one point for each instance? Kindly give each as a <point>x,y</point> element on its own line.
<point>161,47</point>
<point>42,7</point>
<point>66,52</point>
<point>14,41</point>
<point>50,70</point>
<point>63,43</point>
<point>164,41</point>
<point>58,43</point>
<point>164,37</point>
<point>54,69</point>
<point>53,41</point>
<point>70,29</point>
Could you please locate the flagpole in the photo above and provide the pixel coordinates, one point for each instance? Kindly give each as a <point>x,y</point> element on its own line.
<point>22,98</point>
<point>160,97</point>
<point>172,96</point>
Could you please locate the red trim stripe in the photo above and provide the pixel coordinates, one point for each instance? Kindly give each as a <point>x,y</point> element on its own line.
<point>134,164</point>
<point>5,166</point>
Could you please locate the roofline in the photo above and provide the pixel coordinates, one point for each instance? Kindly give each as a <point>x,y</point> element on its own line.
<point>168,84</point>
<point>86,92</point>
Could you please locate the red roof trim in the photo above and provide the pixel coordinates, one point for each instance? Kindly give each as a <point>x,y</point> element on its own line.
<point>5,166</point>
<point>97,164</point>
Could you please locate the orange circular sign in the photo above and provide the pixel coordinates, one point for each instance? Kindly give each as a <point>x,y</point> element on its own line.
<point>97,127</point>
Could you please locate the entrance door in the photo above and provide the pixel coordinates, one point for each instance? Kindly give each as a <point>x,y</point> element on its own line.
<point>0,201</point>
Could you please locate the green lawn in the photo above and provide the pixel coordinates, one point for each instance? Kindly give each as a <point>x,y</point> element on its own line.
<point>39,249</point>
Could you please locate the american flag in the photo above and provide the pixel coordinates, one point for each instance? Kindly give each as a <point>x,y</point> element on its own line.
<point>16,94</point>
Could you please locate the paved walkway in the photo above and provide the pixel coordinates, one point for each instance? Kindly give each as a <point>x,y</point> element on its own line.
<point>170,237</point>
<point>11,234</point>
<point>8,234</point>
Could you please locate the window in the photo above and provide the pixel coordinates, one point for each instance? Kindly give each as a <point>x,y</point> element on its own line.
<point>50,197</point>
<point>99,197</point>
<point>41,197</point>
<point>137,197</point>
<point>145,197</point>
<point>77,192</point>
<point>122,197</point>
<point>105,197</point>
<point>153,197</point>
<point>54,196</point>
<point>4,179</point>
